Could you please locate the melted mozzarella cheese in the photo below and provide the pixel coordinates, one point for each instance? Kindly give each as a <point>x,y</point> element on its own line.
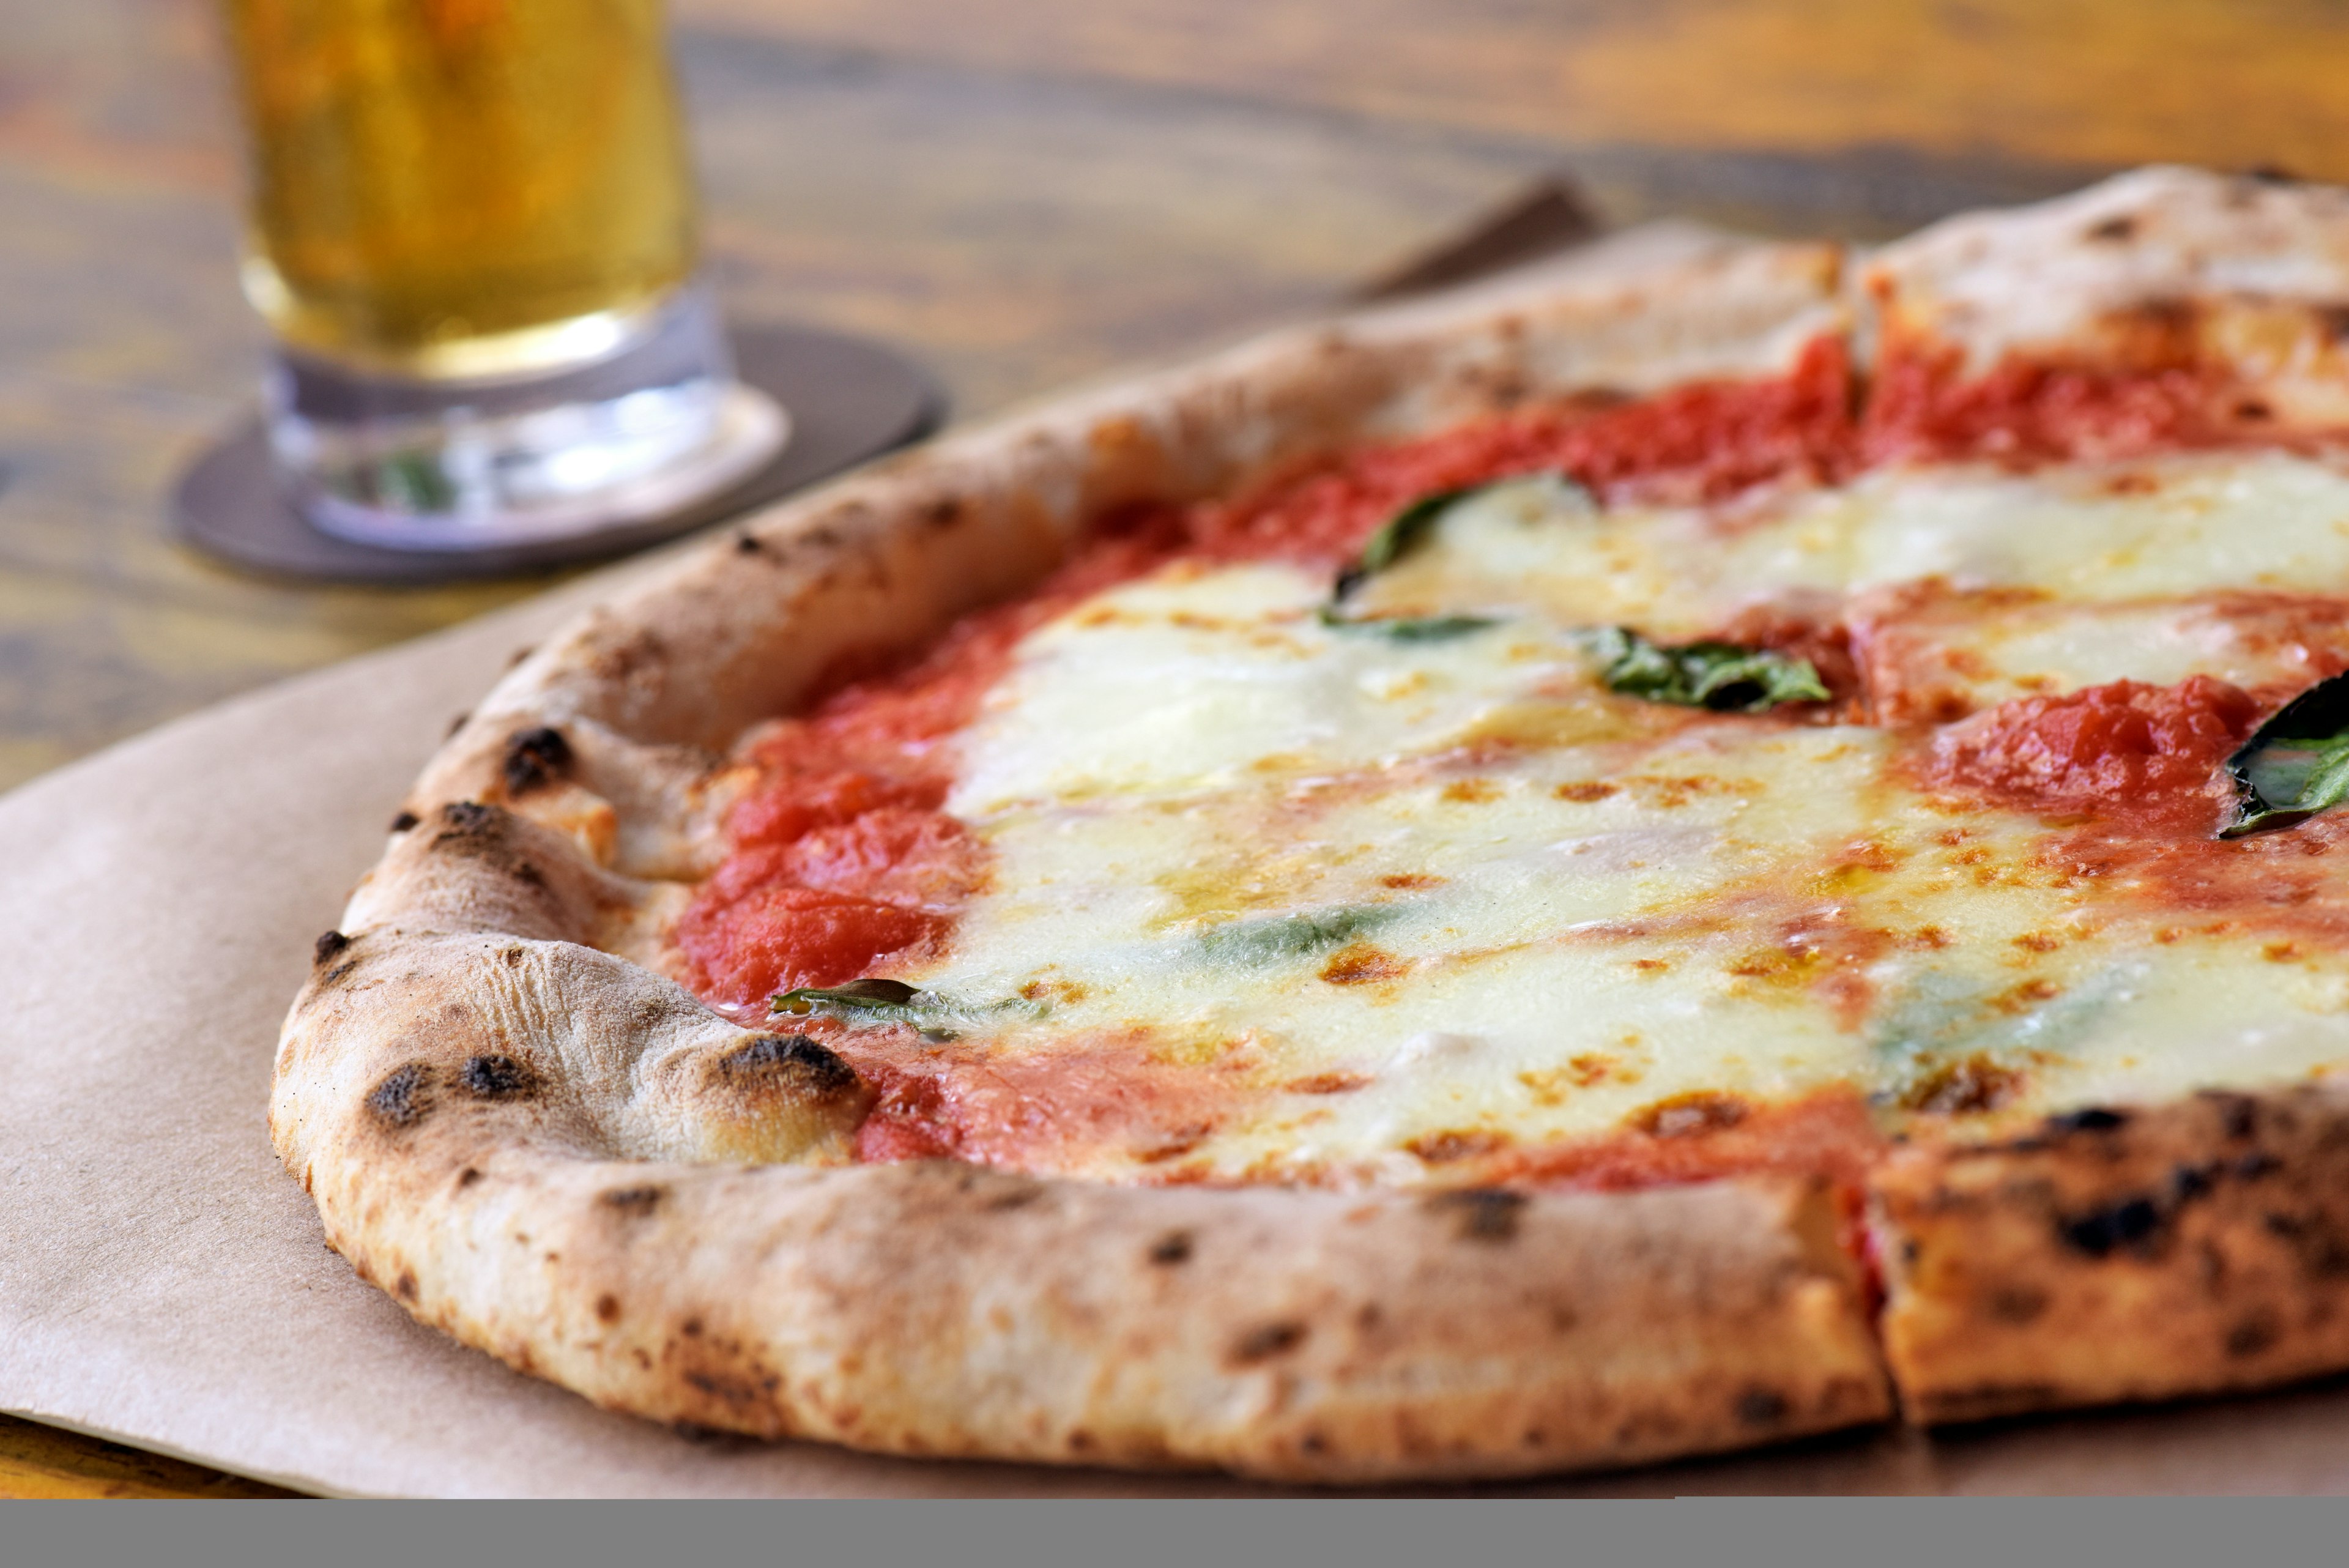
<point>1389,905</point>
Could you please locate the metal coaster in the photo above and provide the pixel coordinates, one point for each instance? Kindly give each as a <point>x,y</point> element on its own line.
<point>849,400</point>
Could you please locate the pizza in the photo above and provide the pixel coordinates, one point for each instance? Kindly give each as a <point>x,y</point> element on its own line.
<point>1719,841</point>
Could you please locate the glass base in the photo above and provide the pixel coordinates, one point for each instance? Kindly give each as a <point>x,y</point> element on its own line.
<point>645,429</point>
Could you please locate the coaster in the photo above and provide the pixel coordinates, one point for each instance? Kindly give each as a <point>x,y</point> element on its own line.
<point>849,399</point>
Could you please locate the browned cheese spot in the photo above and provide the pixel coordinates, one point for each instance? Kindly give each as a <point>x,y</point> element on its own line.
<point>1328,1083</point>
<point>1360,963</point>
<point>1692,1115</point>
<point>1447,1147</point>
<point>1966,1087</point>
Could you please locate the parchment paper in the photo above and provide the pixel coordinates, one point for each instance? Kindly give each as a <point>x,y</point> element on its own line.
<point>164,1283</point>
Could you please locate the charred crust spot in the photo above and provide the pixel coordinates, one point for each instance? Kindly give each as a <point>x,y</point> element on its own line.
<point>400,1100</point>
<point>1487,1214</point>
<point>2114,230</point>
<point>635,1202</point>
<point>607,1308</point>
<point>2189,1182</point>
<point>1759,1406</point>
<point>795,1056</point>
<point>2253,1335</point>
<point>1080,1441</point>
<point>739,1393</point>
<point>691,1328</point>
<point>2239,1115</point>
<point>2317,1245</point>
<point>404,821</point>
<point>2094,1119</point>
<point>2132,1223</point>
<point>467,1177</point>
<point>2334,319</point>
<point>2255,410</point>
<point>496,1077</point>
<point>464,818</point>
<point>943,513</point>
<point>534,759</point>
<point>328,945</point>
<point>457,723</point>
<point>1266,1341</point>
<point>2252,1167</point>
<point>2015,1303</point>
<point>1020,1197</point>
<point>405,1287</point>
<point>1173,1248</point>
<point>747,544</point>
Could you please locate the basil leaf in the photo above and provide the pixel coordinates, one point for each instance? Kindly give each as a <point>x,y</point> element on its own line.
<point>1396,538</point>
<point>1721,676</point>
<point>1279,937</point>
<point>1408,528</point>
<point>2294,765</point>
<point>888,998</point>
<point>1408,628</point>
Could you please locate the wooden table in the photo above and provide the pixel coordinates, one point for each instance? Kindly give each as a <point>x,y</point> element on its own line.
<point>1022,192</point>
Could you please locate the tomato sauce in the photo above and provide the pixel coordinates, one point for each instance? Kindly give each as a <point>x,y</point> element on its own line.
<point>2124,752</point>
<point>1922,405</point>
<point>843,863</point>
<point>1704,1137</point>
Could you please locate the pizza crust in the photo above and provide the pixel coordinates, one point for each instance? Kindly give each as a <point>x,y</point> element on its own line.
<point>540,1145</point>
<point>2120,1255</point>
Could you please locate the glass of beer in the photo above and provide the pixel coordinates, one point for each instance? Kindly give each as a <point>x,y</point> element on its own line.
<point>473,232</point>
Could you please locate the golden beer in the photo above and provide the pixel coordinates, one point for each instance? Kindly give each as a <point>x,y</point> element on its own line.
<point>461,188</point>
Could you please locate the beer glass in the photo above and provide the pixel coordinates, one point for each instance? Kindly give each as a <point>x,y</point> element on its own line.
<point>472,231</point>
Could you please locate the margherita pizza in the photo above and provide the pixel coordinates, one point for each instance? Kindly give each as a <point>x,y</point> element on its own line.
<point>1717,843</point>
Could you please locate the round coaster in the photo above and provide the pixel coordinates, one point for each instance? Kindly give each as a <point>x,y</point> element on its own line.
<point>849,399</point>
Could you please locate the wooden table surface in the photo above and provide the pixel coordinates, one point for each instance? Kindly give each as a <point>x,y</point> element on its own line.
<point>1021,192</point>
